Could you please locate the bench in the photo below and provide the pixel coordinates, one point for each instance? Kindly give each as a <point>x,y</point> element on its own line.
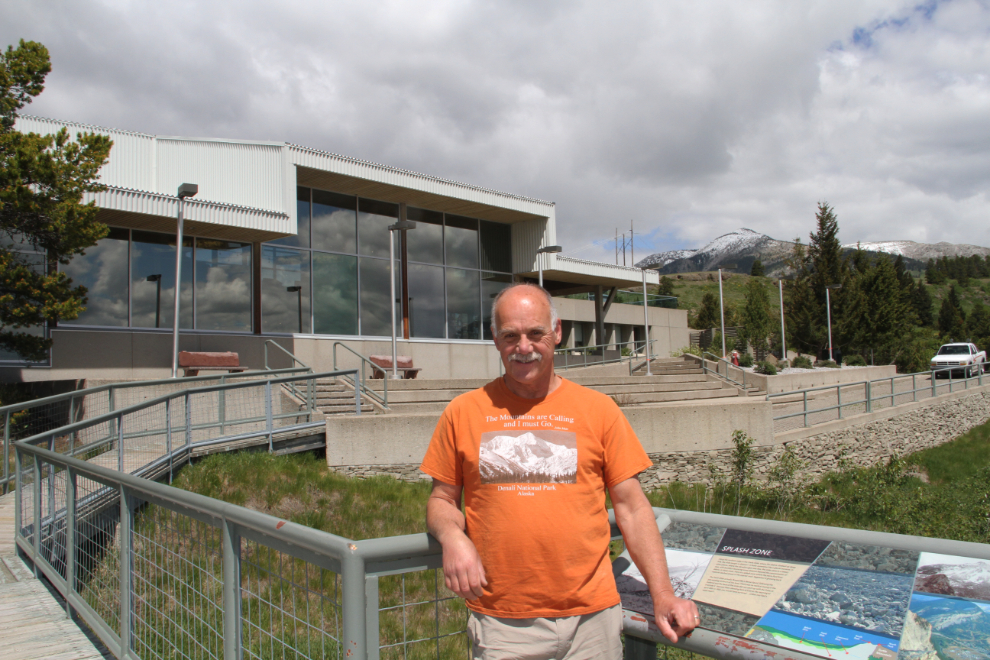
<point>404,366</point>
<point>195,361</point>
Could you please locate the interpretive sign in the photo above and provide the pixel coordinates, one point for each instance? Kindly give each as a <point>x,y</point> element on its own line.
<point>790,597</point>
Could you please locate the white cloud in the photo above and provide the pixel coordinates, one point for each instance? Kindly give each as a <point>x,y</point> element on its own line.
<point>691,118</point>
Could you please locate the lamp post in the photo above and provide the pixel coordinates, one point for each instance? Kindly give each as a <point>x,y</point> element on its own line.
<point>549,249</point>
<point>185,190</point>
<point>400,226</point>
<point>721,306</point>
<point>158,297</point>
<point>828,313</point>
<point>646,325</point>
<point>783,335</point>
<point>297,290</point>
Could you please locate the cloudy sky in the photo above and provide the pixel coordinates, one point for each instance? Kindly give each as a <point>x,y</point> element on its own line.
<point>691,118</point>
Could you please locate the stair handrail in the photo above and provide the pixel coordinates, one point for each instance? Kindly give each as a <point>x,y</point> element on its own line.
<point>310,391</point>
<point>362,385</point>
<point>653,356</point>
<point>717,360</point>
<point>633,346</point>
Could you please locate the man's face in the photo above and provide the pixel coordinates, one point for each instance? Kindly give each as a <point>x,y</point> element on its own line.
<point>525,338</point>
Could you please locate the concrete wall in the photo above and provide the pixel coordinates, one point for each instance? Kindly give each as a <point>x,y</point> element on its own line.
<point>807,379</point>
<point>135,355</point>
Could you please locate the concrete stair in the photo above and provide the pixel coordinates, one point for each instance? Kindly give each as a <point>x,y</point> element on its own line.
<point>673,379</point>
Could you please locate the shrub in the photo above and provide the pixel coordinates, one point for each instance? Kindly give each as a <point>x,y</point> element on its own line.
<point>766,368</point>
<point>745,360</point>
<point>830,364</point>
<point>802,362</point>
<point>854,361</point>
<point>687,350</point>
<point>782,364</point>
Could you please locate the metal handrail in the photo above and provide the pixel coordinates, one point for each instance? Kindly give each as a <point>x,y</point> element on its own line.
<point>568,351</point>
<point>10,411</point>
<point>726,375</point>
<point>868,386</point>
<point>281,348</point>
<point>362,385</point>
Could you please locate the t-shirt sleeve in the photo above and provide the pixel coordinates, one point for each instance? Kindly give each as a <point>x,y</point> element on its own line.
<point>441,461</point>
<point>624,455</point>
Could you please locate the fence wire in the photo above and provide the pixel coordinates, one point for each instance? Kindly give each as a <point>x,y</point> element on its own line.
<point>419,618</point>
<point>97,549</point>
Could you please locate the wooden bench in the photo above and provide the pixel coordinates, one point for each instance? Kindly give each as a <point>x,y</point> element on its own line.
<point>195,361</point>
<point>405,366</point>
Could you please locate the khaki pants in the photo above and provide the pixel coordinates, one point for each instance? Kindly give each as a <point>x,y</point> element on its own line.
<point>590,636</point>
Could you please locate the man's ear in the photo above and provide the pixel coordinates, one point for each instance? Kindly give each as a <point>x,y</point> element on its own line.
<point>558,333</point>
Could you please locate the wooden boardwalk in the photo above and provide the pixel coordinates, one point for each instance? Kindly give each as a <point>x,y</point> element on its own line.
<point>33,623</point>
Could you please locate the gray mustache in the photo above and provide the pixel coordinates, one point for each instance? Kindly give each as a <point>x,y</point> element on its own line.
<point>525,357</point>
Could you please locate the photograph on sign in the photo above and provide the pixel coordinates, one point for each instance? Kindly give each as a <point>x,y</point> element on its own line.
<point>723,619</point>
<point>823,639</point>
<point>685,568</point>
<point>946,628</point>
<point>947,575</point>
<point>692,536</point>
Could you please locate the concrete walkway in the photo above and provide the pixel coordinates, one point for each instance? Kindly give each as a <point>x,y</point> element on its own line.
<point>33,623</point>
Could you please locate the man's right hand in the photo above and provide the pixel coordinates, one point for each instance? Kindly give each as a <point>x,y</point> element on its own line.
<point>462,570</point>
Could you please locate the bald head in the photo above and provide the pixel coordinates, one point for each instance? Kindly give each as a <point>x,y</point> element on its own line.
<point>523,290</point>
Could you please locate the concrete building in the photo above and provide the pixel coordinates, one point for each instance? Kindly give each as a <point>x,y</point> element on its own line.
<point>290,244</point>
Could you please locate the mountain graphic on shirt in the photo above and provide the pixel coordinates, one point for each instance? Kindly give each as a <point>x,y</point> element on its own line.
<point>526,458</point>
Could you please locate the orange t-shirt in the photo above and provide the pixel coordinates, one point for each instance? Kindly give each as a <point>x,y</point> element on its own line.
<point>534,473</point>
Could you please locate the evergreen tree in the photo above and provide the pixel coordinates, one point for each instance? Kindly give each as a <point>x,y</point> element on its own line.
<point>978,323</point>
<point>757,269</point>
<point>804,326</point>
<point>708,315</point>
<point>951,318</point>
<point>879,315</point>
<point>42,183</point>
<point>757,317</point>
<point>666,286</point>
<point>921,301</point>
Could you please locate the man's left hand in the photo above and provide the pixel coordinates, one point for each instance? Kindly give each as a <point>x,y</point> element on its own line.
<point>675,617</point>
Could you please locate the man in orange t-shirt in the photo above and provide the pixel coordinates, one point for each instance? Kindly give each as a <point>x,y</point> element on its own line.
<point>533,454</point>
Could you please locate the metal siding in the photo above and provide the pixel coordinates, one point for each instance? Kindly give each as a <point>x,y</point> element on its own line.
<point>527,238</point>
<point>227,172</point>
<point>603,270</point>
<point>322,160</point>
<point>131,163</point>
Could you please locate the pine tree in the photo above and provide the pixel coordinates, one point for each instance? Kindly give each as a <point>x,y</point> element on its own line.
<point>978,323</point>
<point>804,326</point>
<point>951,318</point>
<point>921,300</point>
<point>666,286</point>
<point>757,318</point>
<point>42,183</point>
<point>757,269</point>
<point>708,315</point>
<point>879,315</point>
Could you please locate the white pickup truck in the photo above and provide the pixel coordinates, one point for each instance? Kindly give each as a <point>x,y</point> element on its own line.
<point>965,358</point>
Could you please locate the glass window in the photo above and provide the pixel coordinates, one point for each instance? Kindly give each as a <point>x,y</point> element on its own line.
<point>426,301</point>
<point>496,246</point>
<point>376,316</point>
<point>461,241</point>
<point>103,271</point>
<point>491,284</point>
<point>284,290</point>
<point>335,308</point>
<point>153,280</point>
<point>301,238</point>
<point>373,221</point>
<point>223,285</point>
<point>463,304</point>
<point>425,242</point>
<point>334,219</point>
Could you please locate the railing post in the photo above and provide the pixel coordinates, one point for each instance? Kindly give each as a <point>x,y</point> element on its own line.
<point>72,419</point>
<point>36,493</point>
<point>933,383</point>
<point>372,618</point>
<point>222,409</point>
<point>168,436</point>
<point>70,537</point>
<point>268,414</point>
<point>639,649</point>
<point>869,396</point>
<point>354,604</point>
<point>232,638</point>
<point>914,385</point>
<point>51,493</point>
<point>188,428</point>
<point>6,452</point>
<point>120,442</point>
<point>893,403</point>
<point>806,408</point>
<point>18,494</point>
<point>126,572</point>
<point>110,408</point>
<point>838,395</point>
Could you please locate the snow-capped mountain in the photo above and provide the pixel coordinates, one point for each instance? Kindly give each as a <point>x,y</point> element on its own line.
<point>526,458</point>
<point>970,579</point>
<point>922,251</point>
<point>738,248</point>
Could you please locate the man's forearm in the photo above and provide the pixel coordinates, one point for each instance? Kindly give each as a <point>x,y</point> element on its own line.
<point>642,539</point>
<point>443,519</point>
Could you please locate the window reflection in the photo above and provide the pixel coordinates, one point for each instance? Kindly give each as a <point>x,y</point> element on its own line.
<point>491,284</point>
<point>284,290</point>
<point>373,221</point>
<point>426,301</point>
<point>301,237</point>
<point>463,304</point>
<point>103,271</point>
<point>496,246</point>
<point>223,285</point>
<point>334,218</point>
<point>461,241</point>
<point>153,265</point>
<point>376,315</point>
<point>335,301</point>
<point>425,242</point>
